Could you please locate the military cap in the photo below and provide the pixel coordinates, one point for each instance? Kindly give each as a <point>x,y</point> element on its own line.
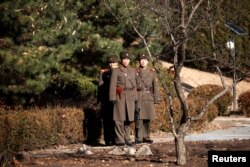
<point>112,59</point>
<point>125,55</point>
<point>143,56</point>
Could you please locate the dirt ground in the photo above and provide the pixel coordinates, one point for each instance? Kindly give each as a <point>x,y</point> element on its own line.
<point>163,152</point>
<point>163,155</point>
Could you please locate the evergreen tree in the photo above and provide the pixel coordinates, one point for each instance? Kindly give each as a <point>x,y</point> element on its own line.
<point>56,47</point>
<point>49,47</point>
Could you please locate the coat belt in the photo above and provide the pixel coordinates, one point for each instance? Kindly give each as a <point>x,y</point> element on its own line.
<point>129,89</point>
<point>145,90</point>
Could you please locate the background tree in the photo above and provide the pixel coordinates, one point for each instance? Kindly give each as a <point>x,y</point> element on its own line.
<point>186,29</point>
<point>53,49</point>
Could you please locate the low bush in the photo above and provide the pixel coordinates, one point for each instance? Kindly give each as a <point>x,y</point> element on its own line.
<point>40,128</point>
<point>92,124</point>
<point>161,123</point>
<point>195,106</point>
<point>207,92</point>
<point>244,103</point>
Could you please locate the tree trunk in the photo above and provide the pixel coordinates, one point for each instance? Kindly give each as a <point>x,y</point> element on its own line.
<point>180,147</point>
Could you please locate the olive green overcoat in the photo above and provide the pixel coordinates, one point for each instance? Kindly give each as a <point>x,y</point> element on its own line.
<point>123,92</point>
<point>148,92</point>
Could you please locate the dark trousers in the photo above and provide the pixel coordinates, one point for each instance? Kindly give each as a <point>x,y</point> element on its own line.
<point>109,131</point>
<point>108,123</point>
<point>142,130</point>
<point>122,132</point>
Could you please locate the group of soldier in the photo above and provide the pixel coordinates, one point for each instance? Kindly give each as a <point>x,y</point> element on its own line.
<point>127,95</point>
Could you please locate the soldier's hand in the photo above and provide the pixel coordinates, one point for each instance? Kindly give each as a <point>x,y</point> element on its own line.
<point>113,101</point>
<point>137,109</point>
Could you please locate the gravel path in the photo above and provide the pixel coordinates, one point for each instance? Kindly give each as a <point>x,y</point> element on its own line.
<point>228,128</point>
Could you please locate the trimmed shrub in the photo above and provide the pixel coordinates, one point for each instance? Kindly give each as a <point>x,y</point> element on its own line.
<point>92,124</point>
<point>195,106</point>
<point>207,92</point>
<point>161,122</point>
<point>244,103</point>
<point>40,128</point>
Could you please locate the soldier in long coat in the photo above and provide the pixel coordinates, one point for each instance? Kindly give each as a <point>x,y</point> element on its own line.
<point>123,93</point>
<point>148,96</point>
<point>106,105</point>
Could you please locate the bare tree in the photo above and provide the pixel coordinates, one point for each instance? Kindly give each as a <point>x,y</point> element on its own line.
<point>180,20</point>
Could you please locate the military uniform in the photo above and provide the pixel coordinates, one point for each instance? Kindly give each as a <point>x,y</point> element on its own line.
<point>106,105</point>
<point>148,95</point>
<point>123,93</point>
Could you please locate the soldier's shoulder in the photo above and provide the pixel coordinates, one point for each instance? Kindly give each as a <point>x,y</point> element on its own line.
<point>152,70</point>
<point>135,70</point>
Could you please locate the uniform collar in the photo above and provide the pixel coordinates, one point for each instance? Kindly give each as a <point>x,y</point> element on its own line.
<point>141,68</point>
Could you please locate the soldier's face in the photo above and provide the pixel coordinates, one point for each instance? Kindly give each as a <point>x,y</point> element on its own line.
<point>125,62</point>
<point>143,62</point>
<point>113,65</point>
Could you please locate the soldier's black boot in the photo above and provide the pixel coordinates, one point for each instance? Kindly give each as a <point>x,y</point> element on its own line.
<point>147,141</point>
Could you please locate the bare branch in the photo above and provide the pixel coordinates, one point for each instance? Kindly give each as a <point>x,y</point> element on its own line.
<point>192,12</point>
<point>221,77</point>
<point>169,99</point>
<point>183,13</point>
<point>116,17</point>
<point>204,109</point>
<point>107,6</point>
